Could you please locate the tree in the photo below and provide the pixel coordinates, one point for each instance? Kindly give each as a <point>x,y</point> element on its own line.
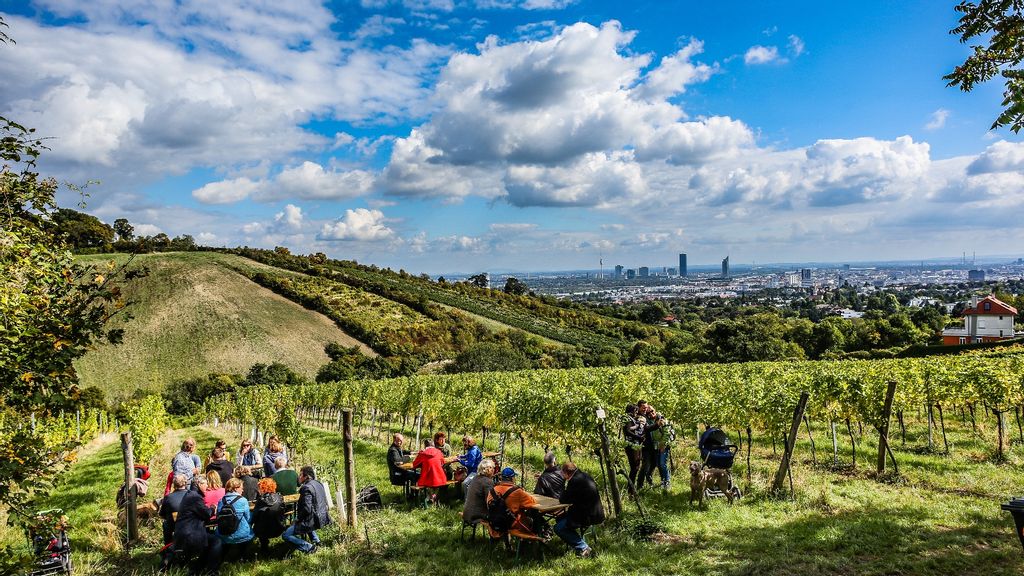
<point>515,286</point>
<point>479,280</point>
<point>124,230</point>
<point>489,357</point>
<point>1002,23</point>
<point>82,230</point>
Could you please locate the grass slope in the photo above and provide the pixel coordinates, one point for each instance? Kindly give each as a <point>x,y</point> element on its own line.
<point>195,314</point>
<point>941,518</point>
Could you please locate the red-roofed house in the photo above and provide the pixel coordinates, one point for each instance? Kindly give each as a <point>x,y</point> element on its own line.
<point>986,320</point>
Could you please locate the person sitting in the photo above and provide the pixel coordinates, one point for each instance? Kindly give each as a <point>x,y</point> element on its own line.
<point>235,542</point>
<point>268,515</point>
<point>586,510</point>
<point>219,463</point>
<point>396,457</point>
<point>186,462</point>
<point>441,443</point>
<point>286,478</point>
<point>516,500</point>
<point>213,491</point>
<point>248,455</point>
<point>550,483</point>
<point>191,540</point>
<point>274,451</point>
<point>171,504</point>
<point>430,462</point>
<point>475,507</point>
<point>218,444</point>
<point>250,487</point>
<point>470,459</point>
<point>310,512</point>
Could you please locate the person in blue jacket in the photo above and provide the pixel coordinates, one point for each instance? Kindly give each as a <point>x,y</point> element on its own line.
<point>235,546</point>
<point>470,459</point>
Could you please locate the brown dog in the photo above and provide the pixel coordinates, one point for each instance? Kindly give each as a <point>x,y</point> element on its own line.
<point>701,477</point>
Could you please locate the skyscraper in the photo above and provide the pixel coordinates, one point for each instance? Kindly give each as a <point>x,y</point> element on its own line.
<point>682,264</point>
<point>645,271</point>
<point>630,274</point>
<point>805,274</point>
<point>725,267</point>
<point>618,271</point>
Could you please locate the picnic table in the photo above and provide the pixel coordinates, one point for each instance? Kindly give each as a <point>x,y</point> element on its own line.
<point>408,465</point>
<point>289,502</point>
<point>548,506</point>
<point>490,454</point>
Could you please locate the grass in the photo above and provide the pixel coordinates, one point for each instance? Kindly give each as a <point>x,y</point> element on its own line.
<point>195,314</point>
<point>941,517</point>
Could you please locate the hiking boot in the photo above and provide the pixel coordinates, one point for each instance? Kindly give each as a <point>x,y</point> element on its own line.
<point>587,552</point>
<point>313,548</point>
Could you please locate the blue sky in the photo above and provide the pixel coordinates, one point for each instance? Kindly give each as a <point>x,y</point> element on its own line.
<point>468,135</point>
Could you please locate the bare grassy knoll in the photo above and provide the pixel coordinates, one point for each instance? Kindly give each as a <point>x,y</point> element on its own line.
<point>195,314</point>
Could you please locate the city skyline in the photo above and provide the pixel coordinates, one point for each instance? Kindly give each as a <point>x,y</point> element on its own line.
<point>433,135</point>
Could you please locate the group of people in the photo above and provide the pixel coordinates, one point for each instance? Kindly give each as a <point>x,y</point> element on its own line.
<point>239,508</point>
<point>434,466</point>
<point>649,437</point>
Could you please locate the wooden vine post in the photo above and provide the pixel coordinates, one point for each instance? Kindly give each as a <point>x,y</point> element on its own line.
<point>883,429</point>
<point>613,482</point>
<point>350,469</point>
<point>787,454</point>
<point>131,511</point>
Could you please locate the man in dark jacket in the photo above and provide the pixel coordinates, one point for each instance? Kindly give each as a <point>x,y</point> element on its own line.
<point>550,483</point>
<point>396,457</point>
<point>310,512</point>
<point>171,504</point>
<point>191,539</point>
<point>586,510</point>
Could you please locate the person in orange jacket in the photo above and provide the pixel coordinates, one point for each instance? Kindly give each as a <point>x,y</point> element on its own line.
<point>517,500</point>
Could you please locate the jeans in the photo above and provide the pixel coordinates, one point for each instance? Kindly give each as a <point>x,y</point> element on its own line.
<point>663,469</point>
<point>571,536</point>
<point>635,460</point>
<point>289,536</point>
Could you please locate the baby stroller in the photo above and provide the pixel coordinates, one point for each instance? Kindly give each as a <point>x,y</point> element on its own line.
<point>49,538</point>
<point>717,451</point>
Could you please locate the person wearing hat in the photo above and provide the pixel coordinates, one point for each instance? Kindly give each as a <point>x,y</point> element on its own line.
<point>517,500</point>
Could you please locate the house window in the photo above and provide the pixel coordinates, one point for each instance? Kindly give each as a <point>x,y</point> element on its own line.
<point>988,306</point>
<point>1000,317</point>
<point>963,340</point>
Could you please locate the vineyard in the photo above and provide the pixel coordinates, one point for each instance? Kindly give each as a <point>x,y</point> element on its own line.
<point>558,406</point>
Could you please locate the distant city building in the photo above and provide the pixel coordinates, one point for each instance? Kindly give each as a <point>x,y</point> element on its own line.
<point>682,264</point>
<point>975,275</point>
<point>805,274</point>
<point>645,271</point>
<point>985,320</point>
<point>630,274</point>
<point>725,267</point>
<point>846,267</point>
<point>672,272</point>
<point>618,271</point>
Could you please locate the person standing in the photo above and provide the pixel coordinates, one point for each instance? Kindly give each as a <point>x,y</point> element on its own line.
<point>662,438</point>
<point>633,435</point>
<point>310,513</point>
<point>586,510</point>
<point>550,483</point>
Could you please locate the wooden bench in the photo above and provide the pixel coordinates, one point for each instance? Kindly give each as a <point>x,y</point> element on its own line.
<point>528,537</point>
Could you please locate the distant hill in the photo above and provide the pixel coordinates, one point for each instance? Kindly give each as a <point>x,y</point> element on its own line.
<point>196,313</point>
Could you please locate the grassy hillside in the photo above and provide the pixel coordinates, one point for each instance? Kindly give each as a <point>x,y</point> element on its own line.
<point>194,314</point>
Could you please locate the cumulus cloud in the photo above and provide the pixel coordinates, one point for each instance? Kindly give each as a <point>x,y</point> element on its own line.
<point>758,54</point>
<point>1001,156</point>
<point>937,120</point>
<point>796,45</point>
<point>290,219</point>
<point>359,224</point>
<point>307,181</point>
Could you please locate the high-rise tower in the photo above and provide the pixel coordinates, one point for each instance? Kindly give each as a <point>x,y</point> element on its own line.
<point>682,264</point>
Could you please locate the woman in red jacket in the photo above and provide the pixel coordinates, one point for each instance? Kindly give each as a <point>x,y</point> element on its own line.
<point>431,462</point>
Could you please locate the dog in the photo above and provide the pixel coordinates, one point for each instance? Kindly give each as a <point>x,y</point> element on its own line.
<point>701,477</point>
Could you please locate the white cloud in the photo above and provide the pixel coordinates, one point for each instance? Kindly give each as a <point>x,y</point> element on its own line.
<point>307,181</point>
<point>762,55</point>
<point>143,229</point>
<point>796,45</point>
<point>937,120</point>
<point>675,72</point>
<point>290,220</point>
<point>225,191</point>
<point>594,180</point>
<point>360,224</point>
<point>1001,156</point>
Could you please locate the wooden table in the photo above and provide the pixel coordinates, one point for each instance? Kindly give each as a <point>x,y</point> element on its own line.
<point>289,501</point>
<point>490,454</point>
<point>408,465</point>
<point>548,505</point>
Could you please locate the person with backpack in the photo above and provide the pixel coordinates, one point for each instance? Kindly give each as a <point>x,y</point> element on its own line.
<point>268,514</point>
<point>662,438</point>
<point>310,513</point>
<point>234,521</point>
<point>586,510</point>
<point>507,505</point>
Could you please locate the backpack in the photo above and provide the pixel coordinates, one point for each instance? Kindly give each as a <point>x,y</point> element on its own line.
<point>227,519</point>
<point>498,515</point>
<point>369,498</point>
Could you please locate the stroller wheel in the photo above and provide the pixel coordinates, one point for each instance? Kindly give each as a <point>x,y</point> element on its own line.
<point>736,494</point>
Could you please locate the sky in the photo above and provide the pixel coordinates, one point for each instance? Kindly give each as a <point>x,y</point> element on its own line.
<point>501,135</point>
